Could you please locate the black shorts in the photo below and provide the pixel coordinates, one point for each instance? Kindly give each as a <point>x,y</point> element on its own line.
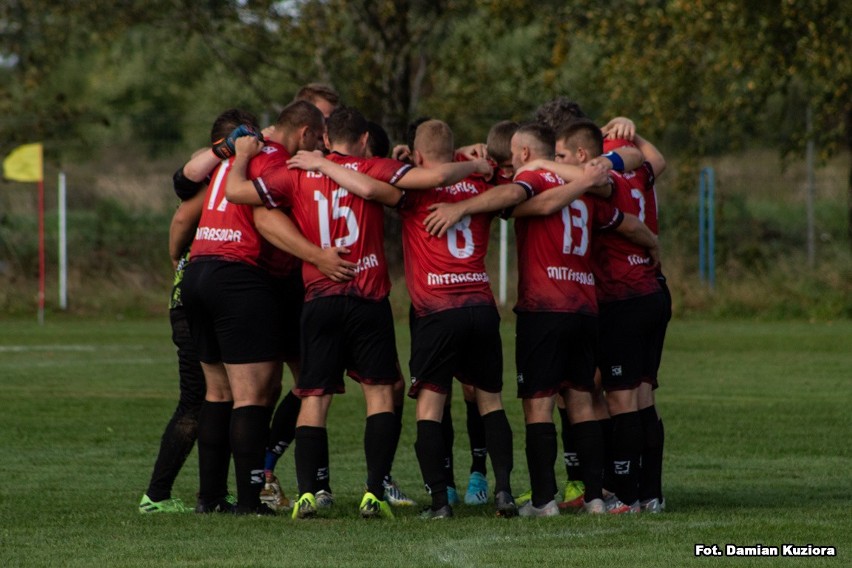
<point>632,333</point>
<point>291,291</point>
<point>555,351</point>
<point>345,333</point>
<point>234,314</point>
<point>460,342</point>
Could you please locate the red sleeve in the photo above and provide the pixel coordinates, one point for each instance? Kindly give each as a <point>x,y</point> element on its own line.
<point>605,215</point>
<point>272,180</point>
<point>385,169</point>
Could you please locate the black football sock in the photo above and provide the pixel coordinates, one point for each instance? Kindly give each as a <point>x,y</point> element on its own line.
<point>395,434</point>
<point>283,429</point>
<point>214,450</point>
<point>175,445</point>
<point>571,454</point>
<point>431,453</point>
<point>476,435</point>
<point>651,464</point>
<point>249,434</point>
<point>378,449</point>
<point>311,455</point>
<point>606,428</point>
<point>498,439</point>
<point>626,445</point>
<point>588,438</point>
<point>541,457</point>
<point>448,434</point>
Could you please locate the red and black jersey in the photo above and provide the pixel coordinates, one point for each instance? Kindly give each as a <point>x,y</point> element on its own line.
<point>554,254</point>
<point>447,272</point>
<point>225,230</point>
<point>330,216</point>
<point>622,268</point>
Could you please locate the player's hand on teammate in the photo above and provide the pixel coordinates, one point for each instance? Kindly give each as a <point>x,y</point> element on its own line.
<point>226,147</point>
<point>442,217</point>
<point>330,263</point>
<point>484,167</point>
<point>308,161</point>
<point>474,151</point>
<point>401,152</point>
<point>619,127</point>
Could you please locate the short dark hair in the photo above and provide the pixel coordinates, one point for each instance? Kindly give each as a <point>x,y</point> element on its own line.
<point>582,132</point>
<point>298,114</point>
<point>543,135</point>
<point>499,140</point>
<point>558,112</point>
<point>378,142</point>
<point>313,91</point>
<point>346,125</point>
<point>226,122</point>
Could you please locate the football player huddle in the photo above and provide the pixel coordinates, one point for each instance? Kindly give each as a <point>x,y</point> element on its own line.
<point>278,245</point>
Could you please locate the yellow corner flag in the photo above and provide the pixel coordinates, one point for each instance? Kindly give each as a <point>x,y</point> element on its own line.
<point>24,163</point>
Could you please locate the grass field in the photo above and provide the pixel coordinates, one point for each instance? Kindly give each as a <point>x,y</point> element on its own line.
<point>757,418</point>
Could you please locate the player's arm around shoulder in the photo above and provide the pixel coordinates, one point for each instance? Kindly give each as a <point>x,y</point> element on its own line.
<point>355,182</point>
<point>443,216</point>
<point>443,174</point>
<point>240,189</point>
<point>592,176</point>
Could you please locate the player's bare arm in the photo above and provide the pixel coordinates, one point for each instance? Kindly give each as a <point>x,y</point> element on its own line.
<point>445,215</point>
<point>619,127</point>
<point>631,158</point>
<point>240,189</point>
<point>637,232</point>
<point>357,183</point>
<point>552,200</point>
<point>651,154</point>
<point>200,165</point>
<point>183,225</point>
<point>443,174</point>
<point>279,229</point>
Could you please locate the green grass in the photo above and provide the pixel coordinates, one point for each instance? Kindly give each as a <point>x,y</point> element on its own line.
<point>757,451</point>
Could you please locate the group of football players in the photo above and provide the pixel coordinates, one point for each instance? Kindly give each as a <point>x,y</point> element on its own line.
<point>278,245</point>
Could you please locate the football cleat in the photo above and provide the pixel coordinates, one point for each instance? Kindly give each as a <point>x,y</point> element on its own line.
<point>220,505</point>
<point>653,505</point>
<point>272,494</point>
<point>373,508</point>
<point>324,499</point>
<point>548,510</point>
<point>572,496</point>
<point>505,505</point>
<point>444,512</point>
<point>619,508</point>
<point>523,497</point>
<point>452,496</point>
<point>305,507</point>
<point>394,495</point>
<point>164,506</point>
<point>595,507</point>
<point>477,489</point>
